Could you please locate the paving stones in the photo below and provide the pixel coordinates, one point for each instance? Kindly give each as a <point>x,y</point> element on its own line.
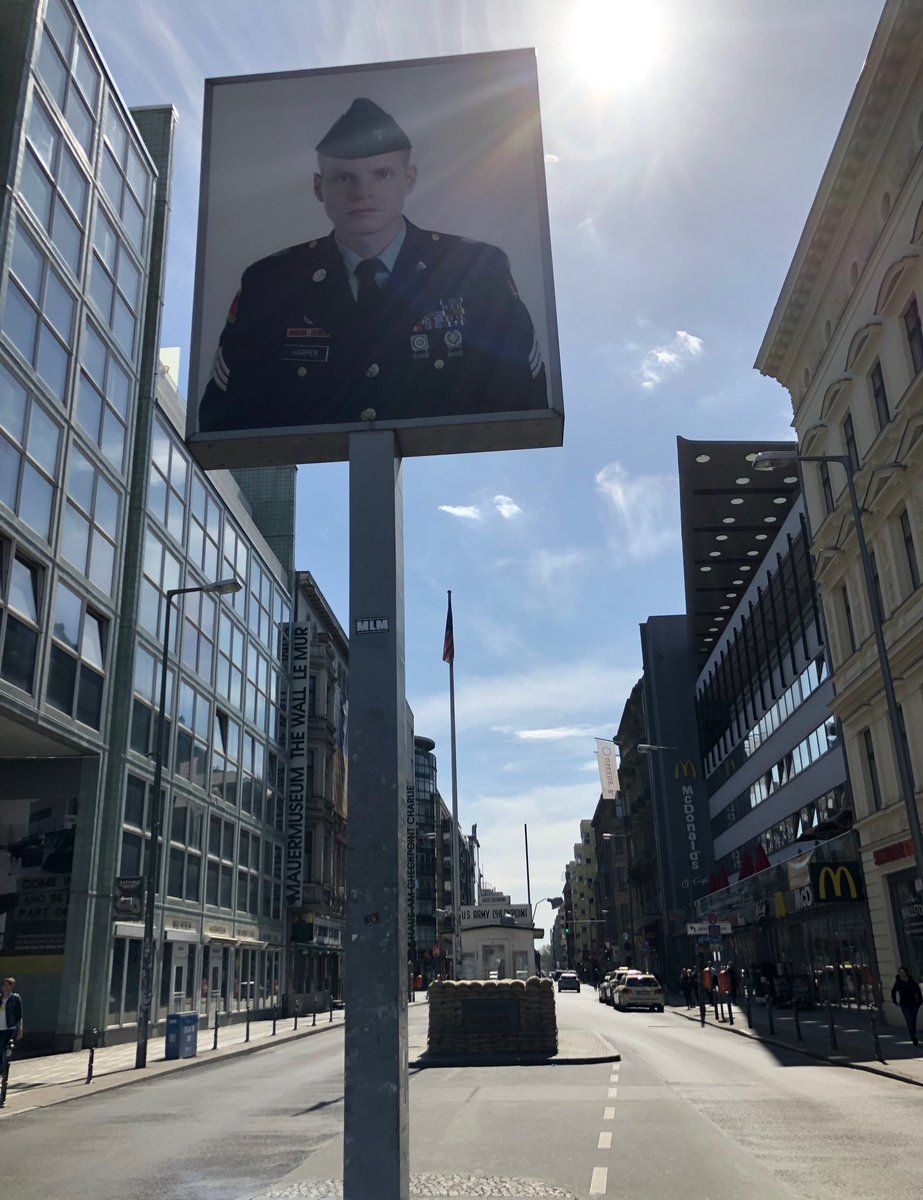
<point>430,1187</point>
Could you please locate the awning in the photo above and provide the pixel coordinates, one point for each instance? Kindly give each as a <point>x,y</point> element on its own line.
<point>246,943</point>
<point>183,935</point>
<point>130,929</point>
<point>219,939</point>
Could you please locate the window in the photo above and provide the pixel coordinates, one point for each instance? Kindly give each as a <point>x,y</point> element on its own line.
<point>204,529</point>
<point>90,527</point>
<point>876,584</point>
<point>161,574</point>
<point>880,396</point>
<point>66,68</point>
<point>29,444</point>
<point>115,283</point>
<point>125,178</point>
<point>871,769</point>
<point>197,643</point>
<point>184,869</point>
<point>39,315</point>
<point>849,441</point>
<point>193,726</point>
<point>234,564</point>
<point>146,702</point>
<point>256,695</point>
<point>225,757</point>
<point>229,676</point>
<point>54,186</point>
<point>847,617</point>
<point>829,502</point>
<point>219,869</point>
<point>910,552</point>
<point>20,605</point>
<point>76,669</point>
<point>914,335</point>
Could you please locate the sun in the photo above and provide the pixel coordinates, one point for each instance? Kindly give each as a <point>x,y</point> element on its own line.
<point>615,43</point>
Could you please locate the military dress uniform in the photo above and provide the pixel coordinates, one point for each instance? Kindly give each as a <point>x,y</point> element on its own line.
<point>448,335</point>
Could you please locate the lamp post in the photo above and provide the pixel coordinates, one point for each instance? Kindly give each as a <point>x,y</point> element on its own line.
<point>771,460</point>
<point>224,587</point>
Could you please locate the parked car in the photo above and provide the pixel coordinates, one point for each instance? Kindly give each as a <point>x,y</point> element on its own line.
<point>604,994</point>
<point>614,978</point>
<point>639,991</point>
<point>568,982</point>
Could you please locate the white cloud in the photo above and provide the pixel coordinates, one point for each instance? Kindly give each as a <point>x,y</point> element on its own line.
<point>671,359</point>
<point>646,508</point>
<point>469,512</point>
<point>506,507</point>
<point>556,733</point>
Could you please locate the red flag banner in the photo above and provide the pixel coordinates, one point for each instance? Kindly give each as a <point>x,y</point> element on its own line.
<point>448,646</point>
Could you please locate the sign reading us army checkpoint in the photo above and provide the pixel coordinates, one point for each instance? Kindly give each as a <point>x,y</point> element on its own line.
<point>521,914</point>
<point>374,254</point>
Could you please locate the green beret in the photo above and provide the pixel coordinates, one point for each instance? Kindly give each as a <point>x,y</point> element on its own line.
<point>362,131</point>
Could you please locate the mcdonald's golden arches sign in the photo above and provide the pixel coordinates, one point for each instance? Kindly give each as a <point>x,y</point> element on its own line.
<point>836,881</point>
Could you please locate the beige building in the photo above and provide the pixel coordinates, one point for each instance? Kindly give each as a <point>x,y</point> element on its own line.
<point>846,340</point>
<point>586,934</point>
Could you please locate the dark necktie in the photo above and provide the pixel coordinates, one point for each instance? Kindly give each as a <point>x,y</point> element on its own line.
<point>369,296</point>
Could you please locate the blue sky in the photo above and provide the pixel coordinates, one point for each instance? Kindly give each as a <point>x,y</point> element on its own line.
<point>684,143</point>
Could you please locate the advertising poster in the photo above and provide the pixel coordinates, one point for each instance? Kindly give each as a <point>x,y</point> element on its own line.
<point>373,253</point>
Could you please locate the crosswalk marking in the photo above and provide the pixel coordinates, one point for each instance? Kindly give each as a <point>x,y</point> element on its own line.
<point>598,1182</point>
<point>605,1141</point>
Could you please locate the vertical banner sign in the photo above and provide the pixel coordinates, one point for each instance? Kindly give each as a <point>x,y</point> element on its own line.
<point>608,771</point>
<point>300,649</point>
<point>411,875</point>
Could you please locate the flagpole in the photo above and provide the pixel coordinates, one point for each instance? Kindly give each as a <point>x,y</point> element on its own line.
<point>448,655</point>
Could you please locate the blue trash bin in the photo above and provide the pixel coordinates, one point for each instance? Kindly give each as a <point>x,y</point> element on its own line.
<point>182,1035</point>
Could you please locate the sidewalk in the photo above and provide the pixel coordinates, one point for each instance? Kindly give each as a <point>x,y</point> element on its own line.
<point>855,1044</point>
<point>42,1082</point>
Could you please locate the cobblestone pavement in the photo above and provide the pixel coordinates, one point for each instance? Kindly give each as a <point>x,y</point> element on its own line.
<point>429,1187</point>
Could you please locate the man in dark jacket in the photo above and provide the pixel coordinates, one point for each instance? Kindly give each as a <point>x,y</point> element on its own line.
<point>906,993</point>
<point>11,1027</point>
<point>378,320</point>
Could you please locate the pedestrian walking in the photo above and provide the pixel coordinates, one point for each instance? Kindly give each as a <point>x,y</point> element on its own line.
<point>11,1027</point>
<point>734,977</point>
<point>685,984</point>
<point>907,995</point>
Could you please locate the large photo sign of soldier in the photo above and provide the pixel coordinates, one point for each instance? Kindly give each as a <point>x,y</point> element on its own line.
<point>374,253</point>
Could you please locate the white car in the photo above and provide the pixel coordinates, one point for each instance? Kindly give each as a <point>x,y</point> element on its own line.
<point>639,991</point>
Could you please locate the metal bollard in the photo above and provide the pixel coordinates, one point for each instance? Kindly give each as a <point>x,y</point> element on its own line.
<point>275,1014</point>
<point>772,1023</point>
<point>93,1044</point>
<point>215,1038</point>
<point>331,1006</point>
<point>247,1037</point>
<point>873,1012</point>
<point>831,1027</point>
<point>313,1009</point>
<point>714,1000</point>
<point>702,1011</point>
<point>749,1011</point>
<point>798,1034</point>
<point>295,1026</point>
<point>730,1011</point>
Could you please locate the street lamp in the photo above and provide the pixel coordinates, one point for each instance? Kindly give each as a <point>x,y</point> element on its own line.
<point>649,747</point>
<point>554,901</point>
<point>224,587</point>
<point>771,460</point>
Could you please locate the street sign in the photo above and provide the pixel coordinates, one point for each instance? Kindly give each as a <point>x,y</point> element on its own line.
<point>714,929</point>
<point>127,896</point>
<point>696,927</point>
<point>712,918</point>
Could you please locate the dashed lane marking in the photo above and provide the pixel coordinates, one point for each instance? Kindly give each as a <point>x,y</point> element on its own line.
<point>605,1141</point>
<point>609,1113</point>
<point>613,1092</point>
<point>599,1180</point>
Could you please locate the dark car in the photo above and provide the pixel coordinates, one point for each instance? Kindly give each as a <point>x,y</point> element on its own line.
<point>568,982</point>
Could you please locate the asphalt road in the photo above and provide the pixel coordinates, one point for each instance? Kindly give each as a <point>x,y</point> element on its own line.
<point>687,1111</point>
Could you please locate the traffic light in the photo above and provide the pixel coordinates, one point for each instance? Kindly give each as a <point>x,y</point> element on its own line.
<point>567,930</point>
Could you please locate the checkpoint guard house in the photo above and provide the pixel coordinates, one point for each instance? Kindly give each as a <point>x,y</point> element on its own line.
<point>498,941</point>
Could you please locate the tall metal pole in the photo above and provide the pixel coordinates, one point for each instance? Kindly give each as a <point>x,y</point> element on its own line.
<point>901,751</point>
<point>456,875</point>
<point>376,1116</point>
<point>528,880</point>
<point>153,853</point>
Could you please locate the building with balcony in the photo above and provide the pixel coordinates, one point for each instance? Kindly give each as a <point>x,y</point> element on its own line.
<point>846,341</point>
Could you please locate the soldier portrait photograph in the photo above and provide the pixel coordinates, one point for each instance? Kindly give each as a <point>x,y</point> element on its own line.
<point>373,315</point>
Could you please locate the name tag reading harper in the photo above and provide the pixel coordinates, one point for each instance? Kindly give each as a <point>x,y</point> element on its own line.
<point>372,625</point>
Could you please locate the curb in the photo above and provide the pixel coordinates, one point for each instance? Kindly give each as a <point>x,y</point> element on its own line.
<point>110,1081</point>
<point>877,1069</point>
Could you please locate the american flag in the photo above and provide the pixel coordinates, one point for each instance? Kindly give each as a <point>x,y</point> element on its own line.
<point>448,646</point>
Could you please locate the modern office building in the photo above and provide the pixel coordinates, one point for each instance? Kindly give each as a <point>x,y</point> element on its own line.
<point>103,514</point>
<point>784,876</point>
<point>846,341</point>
